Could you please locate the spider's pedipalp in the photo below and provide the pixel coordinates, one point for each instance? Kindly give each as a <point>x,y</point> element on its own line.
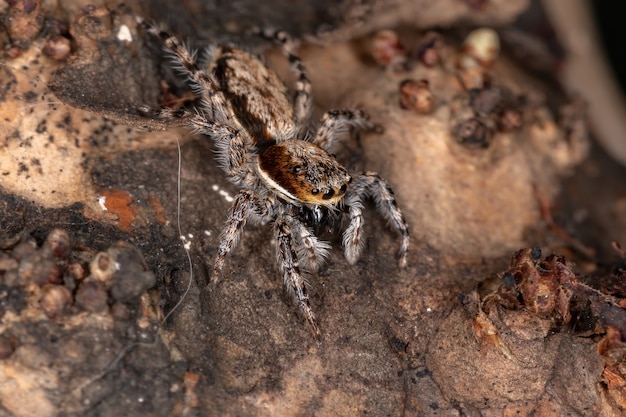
<point>311,251</point>
<point>353,236</point>
<point>292,277</point>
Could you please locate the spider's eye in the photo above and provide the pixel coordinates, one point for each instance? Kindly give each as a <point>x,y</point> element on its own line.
<point>297,169</point>
<point>328,194</point>
<point>315,191</point>
<point>343,189</point>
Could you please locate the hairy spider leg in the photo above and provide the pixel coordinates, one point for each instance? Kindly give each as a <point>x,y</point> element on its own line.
<point>303,100</point>
<point>245,207</point>
<point>202,83</point>
<point>231,147</point>
<point>237,218</point>
<point>336,123</point>
<point>370,184</point>
<point>293,279</point>
<point>311,251</point>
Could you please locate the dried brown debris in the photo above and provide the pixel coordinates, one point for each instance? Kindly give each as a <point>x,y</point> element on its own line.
<point>539,304</point>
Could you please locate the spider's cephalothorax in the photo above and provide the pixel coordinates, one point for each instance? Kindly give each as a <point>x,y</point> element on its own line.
<point>303,173</point>
<point>245,108</point>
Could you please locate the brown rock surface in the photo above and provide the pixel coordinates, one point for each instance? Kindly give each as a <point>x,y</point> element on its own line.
<point>397,343</point>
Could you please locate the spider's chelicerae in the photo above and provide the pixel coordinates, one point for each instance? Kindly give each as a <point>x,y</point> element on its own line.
<point>246,109</point>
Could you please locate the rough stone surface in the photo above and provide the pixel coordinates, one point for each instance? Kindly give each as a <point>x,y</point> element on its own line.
<point>395,343</point>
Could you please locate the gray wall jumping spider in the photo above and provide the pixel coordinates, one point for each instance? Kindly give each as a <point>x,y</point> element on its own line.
<point>246,109</point>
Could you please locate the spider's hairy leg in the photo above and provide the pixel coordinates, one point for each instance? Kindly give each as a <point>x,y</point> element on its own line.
<point>310,250</point>
<point>353,235</point>
<point>201,82</point>
<point>336,123</point>
<point>237,217</point>
<point>230,144</point>
<point>231,147</point>
<point>303,101</point>
<point>167,115</point>
<point>370,184</point>
<point>293,279</point>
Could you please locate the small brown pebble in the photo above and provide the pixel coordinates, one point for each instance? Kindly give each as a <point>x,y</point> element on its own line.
<point>416,95</point>
<point>428,50</point>
<point>472,132</point>
<point>23,20</point>
<point>93,22</point>
<point>482,47</point>
<point>92,296</point>
<point>74,351</point>
<point>144,323</point>
<point>473,78</point>
<point>28,6</point>
<point>7,263</point>
<point>60,243</point>
<point>35,355</point>
<point>55,299</point>
<point>510,120</point>
<point>76,270</point>
<point>56,275</point>
<point>120,311</point>
<point>57,48</point>
<point>430,57</point>
<point>24,249</point>
<point>387,48</point>
<point>14,52</point>
<point>102,268</point>
<point>486,101</point>
<point>38,268</point>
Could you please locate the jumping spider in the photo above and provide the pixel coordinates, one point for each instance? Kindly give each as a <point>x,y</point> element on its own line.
<point>245,108</point>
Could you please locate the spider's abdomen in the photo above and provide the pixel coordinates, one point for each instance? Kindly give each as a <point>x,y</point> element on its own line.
<point>258,99</point>
<point>301,172</point>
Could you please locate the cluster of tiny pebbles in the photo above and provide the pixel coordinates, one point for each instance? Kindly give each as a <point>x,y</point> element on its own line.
<point>480,109</point>
<point>53,280</point>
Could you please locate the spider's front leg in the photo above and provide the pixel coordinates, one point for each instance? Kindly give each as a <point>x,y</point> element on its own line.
<point>370,184</point>
<point>288,261</point>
